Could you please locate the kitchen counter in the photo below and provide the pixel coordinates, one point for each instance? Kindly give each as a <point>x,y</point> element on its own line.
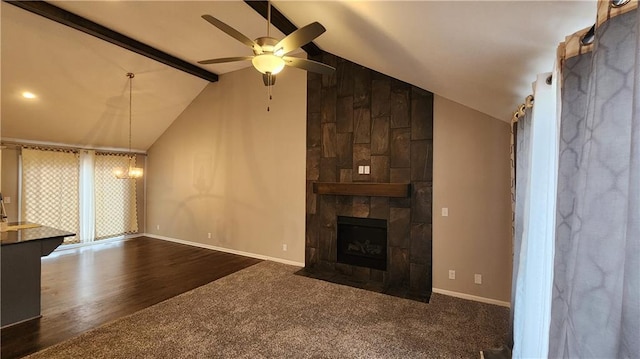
<point>23,245</point>
<point>20,232</point>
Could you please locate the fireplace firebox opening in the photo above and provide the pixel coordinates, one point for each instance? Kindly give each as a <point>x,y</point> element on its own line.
<point>362,242</point>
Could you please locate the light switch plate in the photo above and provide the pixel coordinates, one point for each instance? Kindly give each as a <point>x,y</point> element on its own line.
<point>367,170</point>
<point>6,200</point>
<point>477,278</point>
<point>445,212</point>
<point>360,170</point>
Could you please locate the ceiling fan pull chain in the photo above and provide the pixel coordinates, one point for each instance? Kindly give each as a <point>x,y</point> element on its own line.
<point>269,91</point>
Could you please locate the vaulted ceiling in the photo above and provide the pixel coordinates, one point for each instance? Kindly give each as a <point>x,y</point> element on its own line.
<point>483,54</point>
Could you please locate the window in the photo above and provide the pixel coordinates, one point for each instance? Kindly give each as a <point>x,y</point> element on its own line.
<point>77,192</point>
<point>50,189</point>
<point>116,211</point>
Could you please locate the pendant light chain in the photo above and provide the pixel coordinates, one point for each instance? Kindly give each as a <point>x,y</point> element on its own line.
<point>131,76</point>
<point>130,172</point>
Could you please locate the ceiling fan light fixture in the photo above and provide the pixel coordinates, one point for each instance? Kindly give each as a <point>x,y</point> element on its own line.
<point>268,63</point>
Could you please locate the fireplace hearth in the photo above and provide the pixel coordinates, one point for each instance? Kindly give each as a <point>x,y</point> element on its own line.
<point>362,242</point>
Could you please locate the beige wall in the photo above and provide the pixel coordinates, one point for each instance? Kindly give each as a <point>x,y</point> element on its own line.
<point>141,161</point>
<point>471,179</point>
<point>228,167</point>
<point>10,181</point>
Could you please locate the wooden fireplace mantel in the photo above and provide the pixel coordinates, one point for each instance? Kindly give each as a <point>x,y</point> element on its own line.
<point>363,189</point>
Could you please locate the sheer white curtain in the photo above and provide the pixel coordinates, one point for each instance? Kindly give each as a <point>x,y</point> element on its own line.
<point>87,197</point>
<point>535,263</point>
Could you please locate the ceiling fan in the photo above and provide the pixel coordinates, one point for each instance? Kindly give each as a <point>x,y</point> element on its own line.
<point>270,54</point>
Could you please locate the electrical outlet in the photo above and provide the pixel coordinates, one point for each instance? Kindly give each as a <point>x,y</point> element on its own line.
<point>452,274</point>
<point>6,199</point>
<point>284,247</point>
<point>360,170</point>
<point>157,227</point>
<point>209,235</point>
<point>477,278</point>
<point>445,212</point>
<point>367,170</point>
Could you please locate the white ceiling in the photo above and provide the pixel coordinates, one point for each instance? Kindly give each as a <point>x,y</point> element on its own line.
<point>483,54</point>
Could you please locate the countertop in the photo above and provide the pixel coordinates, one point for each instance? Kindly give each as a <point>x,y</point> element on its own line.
<point>31,234</point>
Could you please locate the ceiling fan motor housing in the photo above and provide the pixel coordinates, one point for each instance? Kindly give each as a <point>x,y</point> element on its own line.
<point>267,44</point>
<point>268,62</point>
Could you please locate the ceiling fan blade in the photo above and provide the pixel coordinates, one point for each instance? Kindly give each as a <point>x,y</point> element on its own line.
<point>302,36</point>
<point>269,80</point>
<point>309,65</point>
<point>232,32</point>
<point>225,59</point>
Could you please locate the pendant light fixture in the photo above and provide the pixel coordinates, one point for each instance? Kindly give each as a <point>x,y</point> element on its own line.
<point>131,172</point>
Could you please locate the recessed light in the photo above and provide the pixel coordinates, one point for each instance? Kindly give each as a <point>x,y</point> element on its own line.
<point>28,94</point>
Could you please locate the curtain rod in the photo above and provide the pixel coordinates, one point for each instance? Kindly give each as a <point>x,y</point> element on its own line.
<point>528,103</point>
<point>25,143</point>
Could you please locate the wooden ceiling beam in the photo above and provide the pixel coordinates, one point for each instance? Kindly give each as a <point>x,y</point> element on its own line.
<point>281,23</point>
<point>80,23</point>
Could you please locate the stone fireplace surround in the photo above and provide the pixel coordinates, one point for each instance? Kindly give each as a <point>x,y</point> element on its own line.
<point>360,117</point>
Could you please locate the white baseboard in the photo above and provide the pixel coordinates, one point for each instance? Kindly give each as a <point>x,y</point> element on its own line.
<point>471,297</point>
<point>226,250</point>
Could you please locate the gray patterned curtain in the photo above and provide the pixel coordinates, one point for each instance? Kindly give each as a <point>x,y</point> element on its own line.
<point>596,291</point>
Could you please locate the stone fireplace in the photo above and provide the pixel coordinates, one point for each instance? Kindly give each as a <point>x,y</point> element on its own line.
<point>359,117</point>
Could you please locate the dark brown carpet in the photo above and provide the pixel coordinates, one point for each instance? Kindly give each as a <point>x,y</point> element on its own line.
<point>265,311</point>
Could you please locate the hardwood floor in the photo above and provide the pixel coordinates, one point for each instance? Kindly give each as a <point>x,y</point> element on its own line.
<point>86,287</point>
